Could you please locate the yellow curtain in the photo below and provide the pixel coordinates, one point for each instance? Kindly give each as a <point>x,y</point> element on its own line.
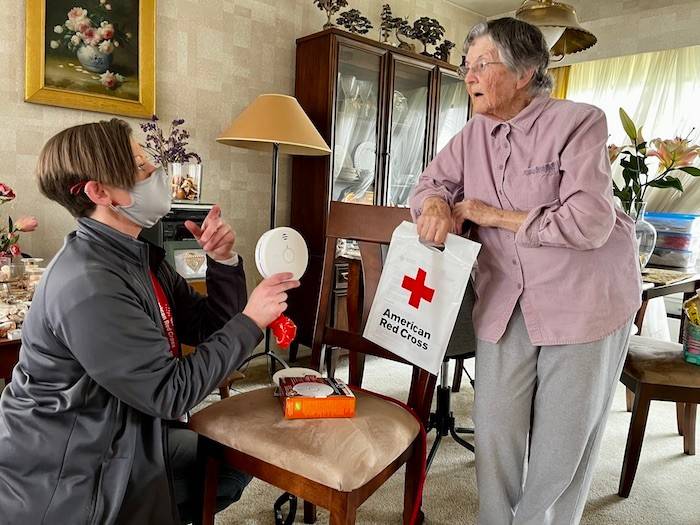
<point>561,81</point>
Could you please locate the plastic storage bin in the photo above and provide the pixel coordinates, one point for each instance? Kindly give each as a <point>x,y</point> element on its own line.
<point>674,222</point>
<point>678,239</point>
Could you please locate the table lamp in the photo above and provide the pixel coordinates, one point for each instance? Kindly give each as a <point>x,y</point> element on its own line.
<point>274,123</point>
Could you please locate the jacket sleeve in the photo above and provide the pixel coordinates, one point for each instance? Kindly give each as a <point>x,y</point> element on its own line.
<point>198,316</point>
<point>584,215</point>
<point>123,350</point>
<point>444,177</point>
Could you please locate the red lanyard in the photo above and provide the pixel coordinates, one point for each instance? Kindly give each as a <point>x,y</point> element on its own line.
<point>166,315</point>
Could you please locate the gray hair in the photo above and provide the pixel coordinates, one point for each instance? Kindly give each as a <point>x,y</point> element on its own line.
<point>521,46</point>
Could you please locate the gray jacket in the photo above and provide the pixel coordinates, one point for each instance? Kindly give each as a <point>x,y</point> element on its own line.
<point>82,424</point>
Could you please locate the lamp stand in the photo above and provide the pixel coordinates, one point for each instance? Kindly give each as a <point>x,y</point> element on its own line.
<point>273,203</point>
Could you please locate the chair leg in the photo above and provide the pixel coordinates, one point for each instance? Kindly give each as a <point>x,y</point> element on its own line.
<point>208,466</point>
<point>224,392</point>
<point>293,351</point>
<point>691,410</point>
<point>680,414</point>
<point>635,437</point>
<point>413,473</point>
<point>629,399</point>
<point>343,509</point>
<point>457,379</point>
<point>309,512</point>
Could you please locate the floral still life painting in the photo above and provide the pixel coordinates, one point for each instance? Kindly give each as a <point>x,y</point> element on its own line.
<point>92,54</point>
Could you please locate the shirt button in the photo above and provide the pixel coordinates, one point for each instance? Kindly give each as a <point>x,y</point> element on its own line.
<point>500,166</point>
<point>520,286</point>
<point>515,262</point>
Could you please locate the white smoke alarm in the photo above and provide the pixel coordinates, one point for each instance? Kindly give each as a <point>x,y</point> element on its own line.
<point>280,250</point>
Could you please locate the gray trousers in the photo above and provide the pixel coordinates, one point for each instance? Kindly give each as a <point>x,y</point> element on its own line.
<point>183,461</point>
<point>540,474</point>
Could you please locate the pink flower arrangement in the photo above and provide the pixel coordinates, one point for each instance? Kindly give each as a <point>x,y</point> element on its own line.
<point>89,28</point>
<point>677,154</point>
<point>9,238</point>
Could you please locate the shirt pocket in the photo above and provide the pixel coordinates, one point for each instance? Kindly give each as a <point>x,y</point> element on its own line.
<point>541,183</point>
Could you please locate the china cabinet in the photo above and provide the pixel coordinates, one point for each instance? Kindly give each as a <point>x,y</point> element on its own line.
<point>385,112</point>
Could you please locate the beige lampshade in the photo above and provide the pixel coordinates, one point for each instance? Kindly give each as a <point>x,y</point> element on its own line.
<point>275,119</point>
<point>549,15</point>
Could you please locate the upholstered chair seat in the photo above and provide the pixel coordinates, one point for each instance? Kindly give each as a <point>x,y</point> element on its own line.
<point>342,454</point>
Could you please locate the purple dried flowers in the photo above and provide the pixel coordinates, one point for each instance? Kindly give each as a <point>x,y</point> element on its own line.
<point>172,148</point>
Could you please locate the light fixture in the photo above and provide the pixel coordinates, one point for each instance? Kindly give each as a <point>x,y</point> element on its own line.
<point>275,123</point>
<point>559,24</point>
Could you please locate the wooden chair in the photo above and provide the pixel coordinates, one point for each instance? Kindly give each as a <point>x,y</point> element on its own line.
<point>656,370</point>
<point>314,459</point>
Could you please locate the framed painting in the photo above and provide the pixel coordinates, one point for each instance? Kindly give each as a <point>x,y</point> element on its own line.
<point>94,55</point>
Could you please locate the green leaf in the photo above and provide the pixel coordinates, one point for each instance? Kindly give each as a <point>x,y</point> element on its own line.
<point>9,223</point>
<point>629,126</point>
<point>667,182</point>
<point>690,170</point>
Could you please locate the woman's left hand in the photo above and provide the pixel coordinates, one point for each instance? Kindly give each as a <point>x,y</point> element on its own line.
<point>475,211</point>
<point>216,237</point>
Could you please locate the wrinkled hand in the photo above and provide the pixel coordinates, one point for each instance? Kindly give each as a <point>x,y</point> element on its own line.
<point>475,211</point>
<point>435,221</point>
<point>215,236</point>
<point>269,299</point>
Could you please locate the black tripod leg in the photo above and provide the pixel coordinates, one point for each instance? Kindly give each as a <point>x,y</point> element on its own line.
<point>433,450</point>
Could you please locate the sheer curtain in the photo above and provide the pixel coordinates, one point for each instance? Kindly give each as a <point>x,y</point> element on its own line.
<point>659,91</point>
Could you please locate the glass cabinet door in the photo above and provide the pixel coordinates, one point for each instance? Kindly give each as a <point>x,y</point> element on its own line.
<point>356,129</point>
<point>407,131</point>
<point>453,110</point>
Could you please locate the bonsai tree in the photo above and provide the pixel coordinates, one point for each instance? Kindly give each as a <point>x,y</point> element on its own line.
<point>427,31</point>
<point>402,27</point>
<point>387,25</point>
<point>442,52</point>
<point>331,7</point>
<point>354,22</point>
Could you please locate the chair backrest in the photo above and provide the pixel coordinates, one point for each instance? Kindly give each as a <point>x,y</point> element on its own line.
<point>371,227</point>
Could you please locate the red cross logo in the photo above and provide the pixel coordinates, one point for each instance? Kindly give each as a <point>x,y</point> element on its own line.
<point>417,288</point>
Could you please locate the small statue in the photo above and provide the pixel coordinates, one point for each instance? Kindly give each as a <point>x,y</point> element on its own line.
<point>354,22</point>
<point>442,52</point>
<point>331,7</point>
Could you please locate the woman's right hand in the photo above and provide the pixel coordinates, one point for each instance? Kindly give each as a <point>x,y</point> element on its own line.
<point>435,221</point>
<point>269,299</point>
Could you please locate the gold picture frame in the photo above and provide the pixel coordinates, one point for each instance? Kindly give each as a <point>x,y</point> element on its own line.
<point>68,48</point>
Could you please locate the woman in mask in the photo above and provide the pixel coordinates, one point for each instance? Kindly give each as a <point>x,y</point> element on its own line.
<point>86,425</point>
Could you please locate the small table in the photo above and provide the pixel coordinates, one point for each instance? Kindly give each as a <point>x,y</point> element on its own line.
<point>9,355</point>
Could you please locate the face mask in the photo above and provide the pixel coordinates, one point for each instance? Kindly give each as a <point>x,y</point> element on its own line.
<point>150,200</point>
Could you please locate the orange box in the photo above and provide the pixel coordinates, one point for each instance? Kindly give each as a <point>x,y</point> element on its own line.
<point>312,397</point>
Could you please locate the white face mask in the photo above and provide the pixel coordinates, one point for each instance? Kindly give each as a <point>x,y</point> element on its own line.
<point>150,200</point>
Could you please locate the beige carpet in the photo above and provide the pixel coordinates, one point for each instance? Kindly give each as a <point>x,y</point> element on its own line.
<point>666,488</point>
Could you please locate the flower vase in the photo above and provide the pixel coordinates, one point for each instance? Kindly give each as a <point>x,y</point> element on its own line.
<point>93,59</point>
<point>644,231</point>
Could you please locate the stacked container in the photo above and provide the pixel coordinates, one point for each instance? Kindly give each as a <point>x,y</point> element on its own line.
<point>678,239</point>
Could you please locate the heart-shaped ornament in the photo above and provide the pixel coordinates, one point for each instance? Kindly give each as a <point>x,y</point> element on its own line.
<point>194,261</point>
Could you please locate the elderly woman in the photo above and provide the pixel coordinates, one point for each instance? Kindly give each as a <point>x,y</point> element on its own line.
<point>557,279</point>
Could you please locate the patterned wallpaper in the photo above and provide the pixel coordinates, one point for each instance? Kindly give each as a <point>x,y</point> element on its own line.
<point>213,58</point>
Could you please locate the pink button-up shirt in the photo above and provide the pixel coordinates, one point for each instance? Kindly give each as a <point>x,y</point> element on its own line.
<point>573,264</point>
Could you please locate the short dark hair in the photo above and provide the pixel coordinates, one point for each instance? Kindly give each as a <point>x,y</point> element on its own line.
<point>521,46</point>
<point>99,151</point>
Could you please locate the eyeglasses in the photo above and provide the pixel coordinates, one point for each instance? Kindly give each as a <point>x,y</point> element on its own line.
<point>478,68</point>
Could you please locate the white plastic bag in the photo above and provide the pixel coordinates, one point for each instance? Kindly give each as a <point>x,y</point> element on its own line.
<point>419,295</point>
